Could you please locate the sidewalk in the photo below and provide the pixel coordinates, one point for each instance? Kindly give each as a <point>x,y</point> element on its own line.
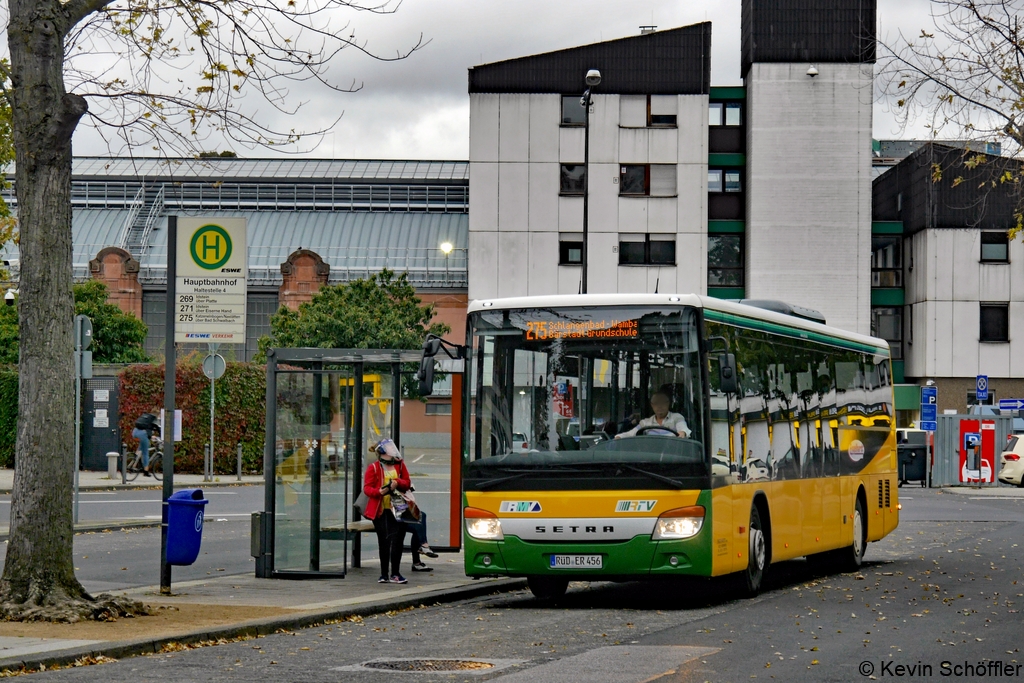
<point>985,491</point>
<point>234,607</point>
<point>99,480</point>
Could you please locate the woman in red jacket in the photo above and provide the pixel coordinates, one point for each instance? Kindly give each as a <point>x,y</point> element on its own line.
<point>383,484</point>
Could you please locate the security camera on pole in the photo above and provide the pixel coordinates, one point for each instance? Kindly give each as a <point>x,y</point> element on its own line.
<point>593,80</point>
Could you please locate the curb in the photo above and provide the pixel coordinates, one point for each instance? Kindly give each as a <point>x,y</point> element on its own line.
<point>257,627</point>
<point>155,486</point>
<point>107,525</point>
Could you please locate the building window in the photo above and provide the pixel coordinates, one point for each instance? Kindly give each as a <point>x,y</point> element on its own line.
<point>570,250</point>
<point>887,261</point>
<point>995,323</point>
<point>439,409</point>
<point>661,110</point>
<point>725,114</point>
<point>647,250</point>
<point>570,179</point>
<point>995,247</point>
<point>887,323</point>
<point>572,111</point>
<point>725,260</point>
<point>643,180</point>
<point>728,180</point>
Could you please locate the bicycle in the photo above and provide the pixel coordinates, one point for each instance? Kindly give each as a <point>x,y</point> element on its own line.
<point>156,459</point>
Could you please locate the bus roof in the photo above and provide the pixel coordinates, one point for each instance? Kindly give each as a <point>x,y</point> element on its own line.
<point>728,308</point>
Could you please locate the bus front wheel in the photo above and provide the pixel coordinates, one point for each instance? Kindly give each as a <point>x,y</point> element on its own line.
<point>757,554</point>
<point>547,588</point>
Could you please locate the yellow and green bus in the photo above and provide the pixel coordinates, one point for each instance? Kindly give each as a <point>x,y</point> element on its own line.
<point>621,436</point>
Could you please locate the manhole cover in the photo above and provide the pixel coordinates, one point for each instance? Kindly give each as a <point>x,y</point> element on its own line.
<point>428,665</point>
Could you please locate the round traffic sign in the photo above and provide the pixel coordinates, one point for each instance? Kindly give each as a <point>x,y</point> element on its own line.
<point>210,247</point>
<point>214,366</point>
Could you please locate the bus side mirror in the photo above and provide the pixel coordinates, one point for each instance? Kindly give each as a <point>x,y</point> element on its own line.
<point>727,373</point>
<point>426,376</point>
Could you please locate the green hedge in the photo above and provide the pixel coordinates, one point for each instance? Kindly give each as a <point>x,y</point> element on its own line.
<point>240,412</point>
<point>8,415</point>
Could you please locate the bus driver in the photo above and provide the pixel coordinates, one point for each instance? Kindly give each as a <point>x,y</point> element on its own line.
<point>662,417</point>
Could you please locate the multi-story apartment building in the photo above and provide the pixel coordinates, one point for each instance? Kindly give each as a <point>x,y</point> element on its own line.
<point>756,191</point>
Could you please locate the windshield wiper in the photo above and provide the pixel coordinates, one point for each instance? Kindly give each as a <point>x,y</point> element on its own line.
<point>501,480</point>
<point>522,473</point>
<point>653,475</point>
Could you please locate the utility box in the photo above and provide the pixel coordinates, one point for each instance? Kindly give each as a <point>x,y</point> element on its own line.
<point>967,449</point>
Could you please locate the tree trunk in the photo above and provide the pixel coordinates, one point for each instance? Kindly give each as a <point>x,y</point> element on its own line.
<point>38,580</point>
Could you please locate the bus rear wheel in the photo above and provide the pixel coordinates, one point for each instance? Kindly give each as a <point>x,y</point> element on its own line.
<point>757,555</point>
<point>851,557</point>
<point>547,588</point>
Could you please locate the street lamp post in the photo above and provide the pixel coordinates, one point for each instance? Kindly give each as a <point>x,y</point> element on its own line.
<point>593,79</point>
<point>446,249</point>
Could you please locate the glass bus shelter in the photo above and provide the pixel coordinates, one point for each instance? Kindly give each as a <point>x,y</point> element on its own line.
<point>325,408</point>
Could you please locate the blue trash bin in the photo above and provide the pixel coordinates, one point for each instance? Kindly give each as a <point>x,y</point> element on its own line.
<point>185,526</point>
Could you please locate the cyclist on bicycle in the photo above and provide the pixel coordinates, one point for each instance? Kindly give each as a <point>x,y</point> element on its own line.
<point>144,428</point>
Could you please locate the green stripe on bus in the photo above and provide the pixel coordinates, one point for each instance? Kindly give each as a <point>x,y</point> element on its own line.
<point>794,333</point>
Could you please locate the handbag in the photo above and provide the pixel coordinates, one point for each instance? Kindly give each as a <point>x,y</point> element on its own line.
<point>362,500</point>
<point>412,512</point>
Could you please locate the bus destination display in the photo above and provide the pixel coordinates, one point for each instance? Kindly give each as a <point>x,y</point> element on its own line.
<point>581,329</point>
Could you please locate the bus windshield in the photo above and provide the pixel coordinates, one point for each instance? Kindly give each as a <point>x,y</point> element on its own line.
<point>591,397</point>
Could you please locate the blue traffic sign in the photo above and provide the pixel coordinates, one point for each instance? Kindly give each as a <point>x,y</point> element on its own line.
<point>982,388</point>
<point>1011,404</point>
<point>929,408</point>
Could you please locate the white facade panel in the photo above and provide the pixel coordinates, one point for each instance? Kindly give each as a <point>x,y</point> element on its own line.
<point>483,273</point>
<point>994,360</point>
<point>662,214</point>
<point>994,281</point>
<point>963,329</point>
<point>513,127</point>
<point>692,129</point>
<point>691,263</point>
<point>661,279</point>
<point>941,324</point>
<point>570,214</point>
<point>483,201</point>
<point>632,214</point>
<point>663,146</point>
<point>633,146</point>
<point>604,197</point>
<point>633,111</point>
<point>513,263</point>
<point>543,274</point>
<point>545,113</point>
<point>963,249</point>
<point>604,261</point>
<point>632,279</point>
<point>570,145</point>
<point>604,129</point>
<point>483,127</point>
<point>808,215</point>
<point>568,280</point>
<point>1016,345</point>
<point>513,197</point>
<point>543,199</point>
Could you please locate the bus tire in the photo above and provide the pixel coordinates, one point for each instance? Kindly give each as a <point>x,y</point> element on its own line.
<point>757,554</point>
<point>852,557</point>
<point>547,588</point>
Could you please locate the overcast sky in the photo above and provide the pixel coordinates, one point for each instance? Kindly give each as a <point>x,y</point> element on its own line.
<point>419,108</point>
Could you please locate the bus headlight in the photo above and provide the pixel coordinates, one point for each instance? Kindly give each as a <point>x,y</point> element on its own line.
<point>483,525</point>
<point>679,523</point>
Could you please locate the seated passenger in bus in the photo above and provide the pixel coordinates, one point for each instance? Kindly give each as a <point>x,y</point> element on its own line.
<point>662,417</point>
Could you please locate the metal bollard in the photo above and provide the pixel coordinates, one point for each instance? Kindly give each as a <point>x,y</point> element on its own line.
<point>124,463</point>
<point>239,461</point>
<point>206,462</point>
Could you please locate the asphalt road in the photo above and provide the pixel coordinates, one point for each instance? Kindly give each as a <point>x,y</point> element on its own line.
<point>945,587</point>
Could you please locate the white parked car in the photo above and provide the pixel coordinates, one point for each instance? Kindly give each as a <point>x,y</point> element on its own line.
<point>520,444</point>
<point>1013,462</point>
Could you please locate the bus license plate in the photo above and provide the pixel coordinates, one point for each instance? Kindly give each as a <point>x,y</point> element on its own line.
<point>576,561</point>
